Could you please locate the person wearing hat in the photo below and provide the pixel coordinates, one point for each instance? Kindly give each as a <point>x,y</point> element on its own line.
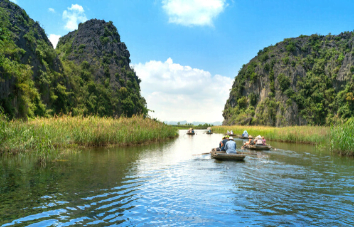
<point>230,146</point>
<point>223,142</point>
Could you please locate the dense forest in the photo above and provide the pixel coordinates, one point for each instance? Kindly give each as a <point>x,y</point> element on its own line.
<point>308,80</point>
<point>87,74</point>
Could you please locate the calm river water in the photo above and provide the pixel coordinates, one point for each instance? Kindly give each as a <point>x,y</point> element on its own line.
<point>165,184</point>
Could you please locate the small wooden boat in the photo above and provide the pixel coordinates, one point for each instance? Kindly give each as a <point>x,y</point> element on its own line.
<point>257,147</point>
<point>209,133</point>
<point>223,156</point>
<point>242,137</point>
<point>230,134</point>
<point>191,133</point>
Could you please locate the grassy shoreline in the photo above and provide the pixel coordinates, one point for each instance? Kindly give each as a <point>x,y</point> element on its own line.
<point>293,134</point>
<point>43,135</point>
<point>339,139</point>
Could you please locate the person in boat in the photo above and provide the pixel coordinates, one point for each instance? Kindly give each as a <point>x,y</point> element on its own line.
<point>209,130</point>
<point>228,132</point>
<point>231,133</point>
<point>245,133</point>
<point>259,140</point>
<point>230,146</point>
<point>250,142</point>
<point>223,142</point>
<point>192,130</point>
<point>264,141</point>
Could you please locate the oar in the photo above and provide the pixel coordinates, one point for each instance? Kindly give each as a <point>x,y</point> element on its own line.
<point>201,154</point>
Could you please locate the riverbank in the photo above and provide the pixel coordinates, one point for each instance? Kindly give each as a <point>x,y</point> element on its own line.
<point>43,135</point>
<point>339,139</point>
<point>294,134</point>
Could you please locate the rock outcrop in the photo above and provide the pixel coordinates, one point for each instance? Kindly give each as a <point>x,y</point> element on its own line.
<point>28,59</point>
<point>300,81</point>
<point>88,74</point>
<point>104,59</point>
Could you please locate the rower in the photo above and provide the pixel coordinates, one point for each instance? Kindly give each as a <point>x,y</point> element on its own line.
<point>230,146</point>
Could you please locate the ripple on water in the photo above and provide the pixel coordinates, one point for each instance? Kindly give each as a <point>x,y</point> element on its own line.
<point>165,185</point>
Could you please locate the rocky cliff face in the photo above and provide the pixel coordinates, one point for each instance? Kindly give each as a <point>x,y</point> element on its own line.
<point>300,81</point>
<point>28,64</point>
<point>104,60</point>
<point>98,43</point>
<point>88,74</point>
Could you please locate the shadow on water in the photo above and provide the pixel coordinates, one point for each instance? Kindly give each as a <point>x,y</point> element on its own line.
<point>172,184</point>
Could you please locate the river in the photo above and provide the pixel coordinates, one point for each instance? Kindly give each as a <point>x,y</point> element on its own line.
<point>168,184</point>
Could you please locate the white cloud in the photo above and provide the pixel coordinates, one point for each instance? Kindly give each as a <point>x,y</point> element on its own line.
<point>54,39</point>
<point>73,16</point>
<point>193,12</point>
<point>51,10</point>
<point>177,92</point>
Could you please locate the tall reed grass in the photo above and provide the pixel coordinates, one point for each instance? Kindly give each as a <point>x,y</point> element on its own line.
<point>294,134</point>
<point>339,138</point>
<point>342,138</point>
<point>45,134</point>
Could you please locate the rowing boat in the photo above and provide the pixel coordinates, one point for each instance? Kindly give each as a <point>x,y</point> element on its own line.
<point>223,156</point>
<point>209,133</point>
<point>190,133</point>
<point>256,147</point>
<point>243,137</point>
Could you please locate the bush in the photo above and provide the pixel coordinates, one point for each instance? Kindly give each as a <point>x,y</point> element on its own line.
<point>286,60</point>
<point>264,57</point>
<point>242,102</point>
<point>252,99</point>
<point>104,40</point>
<point>284,82</point>
<point>291,47</point>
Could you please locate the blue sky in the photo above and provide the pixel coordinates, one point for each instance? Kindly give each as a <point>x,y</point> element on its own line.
<point>188,52</point>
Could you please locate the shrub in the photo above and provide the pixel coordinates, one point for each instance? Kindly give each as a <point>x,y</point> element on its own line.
<point>242,102</point>
<point>104,40</point>
<point>285,60</point>
<point>284,82</point>
<point>252,99</point>
<point>291,47</point>
<point>264,57</point>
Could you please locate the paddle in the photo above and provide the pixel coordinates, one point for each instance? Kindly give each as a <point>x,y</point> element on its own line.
<point>201,154</point>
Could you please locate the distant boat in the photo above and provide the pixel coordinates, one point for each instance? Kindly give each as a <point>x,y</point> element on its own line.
<point>223,156</point>
<point>257,147</point>
<point>243,137</point>
<point>191,133</point>
<point>209,133</point>
<point>229,134</point>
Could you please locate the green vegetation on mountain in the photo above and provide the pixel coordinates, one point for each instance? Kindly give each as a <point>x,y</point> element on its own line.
<point>308,80</point>
<point>29,67</point>
<point>88,74</point>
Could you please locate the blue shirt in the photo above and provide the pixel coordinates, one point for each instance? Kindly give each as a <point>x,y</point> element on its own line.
<point>224,143</point>
<point>230,147</point>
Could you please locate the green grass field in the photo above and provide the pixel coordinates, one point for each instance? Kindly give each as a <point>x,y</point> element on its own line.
<point>42,135</point>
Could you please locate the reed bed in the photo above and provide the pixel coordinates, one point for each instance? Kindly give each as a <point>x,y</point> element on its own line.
<point>342,138</point>
<point>43,135</point>
<point>293,134</point>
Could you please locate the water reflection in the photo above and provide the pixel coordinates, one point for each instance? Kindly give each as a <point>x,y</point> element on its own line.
<point>170,184</point>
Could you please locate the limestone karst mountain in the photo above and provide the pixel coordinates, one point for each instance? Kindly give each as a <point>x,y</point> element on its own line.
<point>300,81</point>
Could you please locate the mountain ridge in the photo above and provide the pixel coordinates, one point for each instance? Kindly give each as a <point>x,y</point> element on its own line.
<point>306,80</point>
<point>87,74</point>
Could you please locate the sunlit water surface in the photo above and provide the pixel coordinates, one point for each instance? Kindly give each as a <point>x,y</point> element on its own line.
<point>167,184</point>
